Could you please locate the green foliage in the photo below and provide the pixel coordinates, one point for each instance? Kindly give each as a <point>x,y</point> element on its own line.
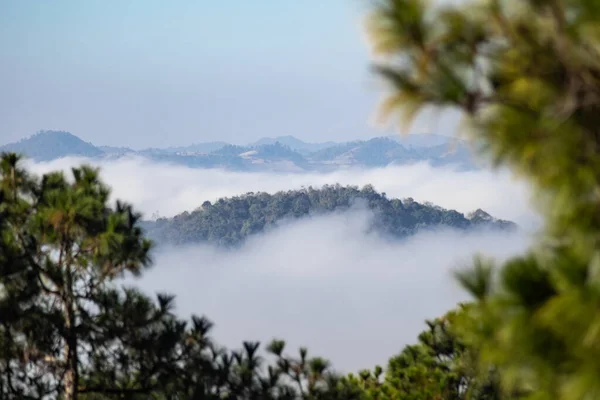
<point>526,75</point>
<point>230,220</point>
<point>61,246</point>
<point>439,366</point>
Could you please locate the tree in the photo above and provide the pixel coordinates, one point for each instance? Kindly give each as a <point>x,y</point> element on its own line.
<point>526,76</point>
<point>439,366</point>
<point>61,248</point>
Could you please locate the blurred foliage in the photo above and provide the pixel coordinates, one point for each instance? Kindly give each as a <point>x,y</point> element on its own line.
<point>526,76</point>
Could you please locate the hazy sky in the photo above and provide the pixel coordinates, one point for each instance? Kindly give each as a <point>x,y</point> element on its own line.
<point>146,72</point>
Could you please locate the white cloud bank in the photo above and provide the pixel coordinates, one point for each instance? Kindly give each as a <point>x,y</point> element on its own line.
<point>349,296</point>
<point>171,189</point>
<point>324,283</point>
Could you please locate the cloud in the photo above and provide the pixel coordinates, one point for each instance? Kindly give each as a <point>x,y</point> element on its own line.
<point>171,189</point>
<point>325,283</point>
<point>321,282</point>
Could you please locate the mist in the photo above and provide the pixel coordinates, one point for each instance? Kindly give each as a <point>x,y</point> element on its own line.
<point>171,189</point>
<point>324,282</point>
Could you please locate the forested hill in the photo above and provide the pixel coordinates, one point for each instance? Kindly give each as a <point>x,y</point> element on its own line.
<point>229,221</point>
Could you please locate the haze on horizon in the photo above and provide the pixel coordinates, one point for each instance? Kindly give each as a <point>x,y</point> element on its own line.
<point>145,73</point>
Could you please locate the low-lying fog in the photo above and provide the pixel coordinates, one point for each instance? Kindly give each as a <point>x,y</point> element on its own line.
<point>322,282</point>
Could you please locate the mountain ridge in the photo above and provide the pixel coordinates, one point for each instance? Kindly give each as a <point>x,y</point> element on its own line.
<point>49,145</point>
<point>281,154</point>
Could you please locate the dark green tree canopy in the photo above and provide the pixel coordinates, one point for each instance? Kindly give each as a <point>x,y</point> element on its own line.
<point>229,221</point>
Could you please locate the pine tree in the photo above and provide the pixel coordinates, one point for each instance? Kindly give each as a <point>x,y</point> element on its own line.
<point>62,246</point>
<point>526,76</point>
<point>439,366</point>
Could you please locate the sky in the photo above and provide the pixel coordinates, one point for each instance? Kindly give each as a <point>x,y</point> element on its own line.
<point>145,73</point>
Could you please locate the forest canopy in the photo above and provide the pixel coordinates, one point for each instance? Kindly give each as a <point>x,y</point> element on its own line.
<point>228,221</point>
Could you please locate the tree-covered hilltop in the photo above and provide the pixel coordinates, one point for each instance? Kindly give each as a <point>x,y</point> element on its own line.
<point>228,221</point>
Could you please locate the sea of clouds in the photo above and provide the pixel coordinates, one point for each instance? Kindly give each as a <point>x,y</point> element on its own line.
<point>171,189</point>
<point>323,282</point>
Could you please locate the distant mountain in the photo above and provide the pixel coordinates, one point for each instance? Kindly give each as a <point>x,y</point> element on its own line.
<point>379,152</point>
<point>229,221</point>
<point>201,148</point>
<point>374,153</point>
<point>421,140</point>
<point>293,143</point>
<point>408,141</point>
<point>282,154</point>
<point>276,155</point>
<point>50,145</point>
<point>456,152</point>
<point>116,150</point>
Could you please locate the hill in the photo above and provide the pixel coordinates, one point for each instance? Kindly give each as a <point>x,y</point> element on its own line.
<point>50,145</point>
<point>293,143</point>
<point>205,148</point>
<point>229,221</point>
<point>376,152</point>
<point>414,141</point>
<point>421,140</point>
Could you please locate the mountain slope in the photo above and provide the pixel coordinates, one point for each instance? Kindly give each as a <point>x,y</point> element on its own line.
<point>408,141</point>
<point>229,221</point>
<point>379,152</point>
<point>50,145</point>
<point>266,157</point>
<point>206,147</point>
<point>293,143</point>
<point>421,140</point>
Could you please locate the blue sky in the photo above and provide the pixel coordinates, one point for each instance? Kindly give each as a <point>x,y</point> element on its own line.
<point>153,73</point>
